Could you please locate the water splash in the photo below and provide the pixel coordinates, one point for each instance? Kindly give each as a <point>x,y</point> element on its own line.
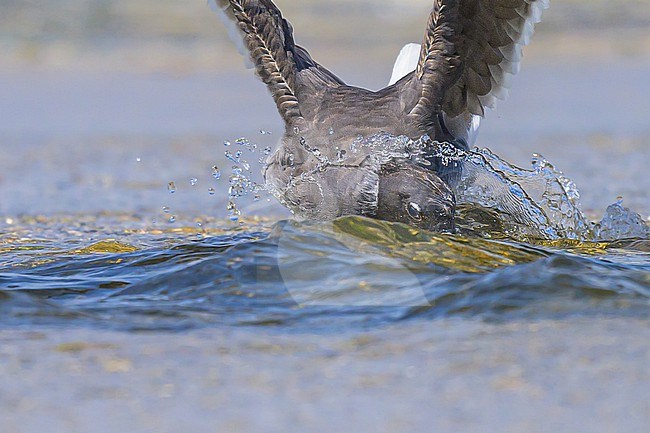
<point>233,212</point>
<point>241,181</point>
<point>216,172</point>
<point>527,203</point>
<point>541,203</point>
<point>621,223</point>
<point>495,198</point>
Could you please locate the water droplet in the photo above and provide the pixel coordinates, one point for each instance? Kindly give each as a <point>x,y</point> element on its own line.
<point>263,132</point>
<point>331,131</point>
<point>245,165</point>
<point>340,155</point>
<point>243,141</point>
<point>236,191</point>
<point>194,181</point>
<point>172,219</point>
<point>296,130</point>
<point>171,187</point>
<point>267,150</point>
<point>216,173</point>
<point>233,212</point>
<point>138,159</point>
<point>211,191</point>
<point>256,197</point>
<point>165,209</point>
<point>234,158</point>
<point>226,143</point>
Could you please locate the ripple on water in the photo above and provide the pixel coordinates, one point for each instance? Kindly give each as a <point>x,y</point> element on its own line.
<point>524,249</point>
<point>352,272</point>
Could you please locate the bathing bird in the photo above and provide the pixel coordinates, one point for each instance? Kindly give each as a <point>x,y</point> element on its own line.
<point>352,151</point>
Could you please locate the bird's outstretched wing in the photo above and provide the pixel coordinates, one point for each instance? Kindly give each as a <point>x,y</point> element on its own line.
<point>262,34</point>
<point>491,35</point>
<point>439,64</point>
<point>266,39</point>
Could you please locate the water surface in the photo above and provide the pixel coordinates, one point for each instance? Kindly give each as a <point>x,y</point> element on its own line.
<point>537,323</point>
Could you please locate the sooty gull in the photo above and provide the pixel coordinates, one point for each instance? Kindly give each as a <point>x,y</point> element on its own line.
<point>348,150</point>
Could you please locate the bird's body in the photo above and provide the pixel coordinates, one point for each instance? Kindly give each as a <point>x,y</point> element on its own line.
<point>345,149</point>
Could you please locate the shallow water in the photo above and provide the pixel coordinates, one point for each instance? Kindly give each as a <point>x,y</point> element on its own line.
<point>527,324</point>
<point>357,273</point>
<point>180,268</point>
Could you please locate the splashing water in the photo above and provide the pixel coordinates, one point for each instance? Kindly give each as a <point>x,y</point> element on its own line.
<point>620,223</point>
<point>541,203</point>
<point>494,197</point>
<point>240,181</point>
<point>291,273</point>
<point>216,172</point>
<point>359,161</point>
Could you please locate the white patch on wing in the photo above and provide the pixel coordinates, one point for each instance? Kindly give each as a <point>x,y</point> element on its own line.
<point>406,62</point>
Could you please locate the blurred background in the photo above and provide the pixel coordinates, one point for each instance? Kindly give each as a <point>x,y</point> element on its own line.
<point>102,103</point>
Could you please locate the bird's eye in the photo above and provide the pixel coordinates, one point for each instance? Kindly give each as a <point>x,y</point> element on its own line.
<point>414,211</point>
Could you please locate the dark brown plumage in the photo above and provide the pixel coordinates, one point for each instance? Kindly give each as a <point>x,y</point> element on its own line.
<point>346,149</point>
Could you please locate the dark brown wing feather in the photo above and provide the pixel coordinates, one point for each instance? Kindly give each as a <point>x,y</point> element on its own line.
<point>492,34</point>
<point>266,37</point>
<point>438,66</point>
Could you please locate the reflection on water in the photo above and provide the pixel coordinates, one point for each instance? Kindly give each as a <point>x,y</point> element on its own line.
<point>352,272</point>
